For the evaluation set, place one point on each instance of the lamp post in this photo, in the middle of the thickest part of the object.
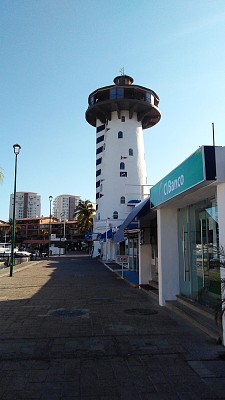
(50, 217)
(106, 238)
(16, 148)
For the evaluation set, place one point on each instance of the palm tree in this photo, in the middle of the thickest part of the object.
(83, 213)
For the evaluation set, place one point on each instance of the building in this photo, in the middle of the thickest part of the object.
(35, 233)
(64, 206)
(28, 205)
(181, 235)
(119, 113)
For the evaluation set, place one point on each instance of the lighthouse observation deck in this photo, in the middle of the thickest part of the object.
(123, 95)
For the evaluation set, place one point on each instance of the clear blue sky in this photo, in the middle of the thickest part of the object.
(54, 53)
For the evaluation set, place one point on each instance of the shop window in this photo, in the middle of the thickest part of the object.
(122, 200)
(115, 215)
(131, 152)
(122, 165)
(120, 135)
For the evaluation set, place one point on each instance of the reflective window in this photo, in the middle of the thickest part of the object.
(116, 93)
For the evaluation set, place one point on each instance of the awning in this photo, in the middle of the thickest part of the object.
(119, 235)
(109, 235)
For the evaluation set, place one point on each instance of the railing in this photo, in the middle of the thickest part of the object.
(123, 260)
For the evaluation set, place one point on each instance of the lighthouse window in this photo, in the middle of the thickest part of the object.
(131, 152)
(99, 161)
(120, 135)
(115, 215)
(99, 150)
(116, 93)
(100, 139)
(148, 96)
(122, 165)
(122, 200)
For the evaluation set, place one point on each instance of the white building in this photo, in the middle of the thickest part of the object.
(64, 206)
(28, 205)
(120, 112)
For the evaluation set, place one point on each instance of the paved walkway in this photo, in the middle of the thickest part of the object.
(71, 329)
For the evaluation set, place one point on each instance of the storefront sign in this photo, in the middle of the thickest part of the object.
(200, 166)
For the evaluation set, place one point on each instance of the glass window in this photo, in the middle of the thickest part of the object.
(98, 172)
(120, 135)
(100, 139)
(122, 200)
(123, 118)
(131, 152)
(115, 215)
(99, 150)
(116, 93)
(122, 165)
(98, 161)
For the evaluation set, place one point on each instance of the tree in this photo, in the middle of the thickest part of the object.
(84, 213)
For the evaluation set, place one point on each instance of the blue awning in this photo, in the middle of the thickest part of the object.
(119, 235)
(109, 235)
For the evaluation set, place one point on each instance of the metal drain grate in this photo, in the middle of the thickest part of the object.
(101, 301)
(61, 312)
(140, 311)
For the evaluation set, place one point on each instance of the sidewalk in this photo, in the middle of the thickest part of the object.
(72, 329)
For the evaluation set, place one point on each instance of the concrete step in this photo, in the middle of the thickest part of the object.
(198, 315)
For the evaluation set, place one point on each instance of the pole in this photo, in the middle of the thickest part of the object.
(213, 134)
(13, 222)
(64, 232)
(49, 233)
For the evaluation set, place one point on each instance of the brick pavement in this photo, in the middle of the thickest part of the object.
(71, 329)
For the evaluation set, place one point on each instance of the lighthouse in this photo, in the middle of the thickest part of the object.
(119, 113)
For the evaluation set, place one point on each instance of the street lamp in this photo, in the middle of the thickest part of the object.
(50, 217)
(16, 148)
(106, 238)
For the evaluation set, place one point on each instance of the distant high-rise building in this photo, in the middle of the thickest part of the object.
(64, 206)
(28, 205)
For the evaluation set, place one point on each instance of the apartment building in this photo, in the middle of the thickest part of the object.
(64, 206)
(28, 205)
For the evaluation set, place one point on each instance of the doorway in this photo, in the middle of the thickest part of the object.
(199, 252)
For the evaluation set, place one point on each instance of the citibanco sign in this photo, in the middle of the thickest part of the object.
(188, 174)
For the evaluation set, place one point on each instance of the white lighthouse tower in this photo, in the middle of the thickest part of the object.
(120, 112)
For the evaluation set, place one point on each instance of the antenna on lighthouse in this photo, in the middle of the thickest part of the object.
(122, 71)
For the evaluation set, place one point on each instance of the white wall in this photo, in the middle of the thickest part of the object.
(168, 257)
(145, 259)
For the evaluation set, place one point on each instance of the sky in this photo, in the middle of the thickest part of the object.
(54, 53)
